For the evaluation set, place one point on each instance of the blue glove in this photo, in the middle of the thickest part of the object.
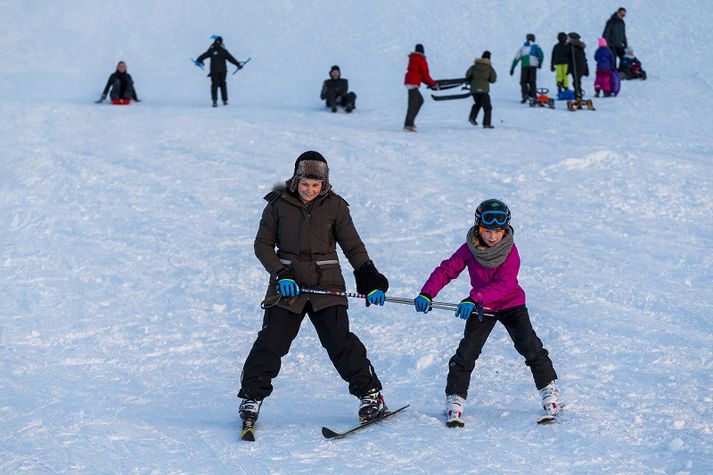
(198, 63)
(465, 308)
(375, 297)
(422, 303)
(288, 287)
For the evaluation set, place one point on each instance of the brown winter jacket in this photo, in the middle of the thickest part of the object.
(299, 240)
(481, 75)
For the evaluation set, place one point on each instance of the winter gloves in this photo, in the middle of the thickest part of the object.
(375, 297)
(465, 308)
(422, 303)
(286, 285)
(512, 71)
(368, 280)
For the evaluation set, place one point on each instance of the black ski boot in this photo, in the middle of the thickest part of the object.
(215, 103)
(372, 406)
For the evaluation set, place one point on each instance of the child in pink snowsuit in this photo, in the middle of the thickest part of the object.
(605, 63)
(493, 263)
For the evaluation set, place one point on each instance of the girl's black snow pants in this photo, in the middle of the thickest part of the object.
(516, 321)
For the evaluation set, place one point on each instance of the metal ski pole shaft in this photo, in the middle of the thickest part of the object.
(338, 293)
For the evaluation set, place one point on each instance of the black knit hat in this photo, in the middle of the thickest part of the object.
(334, 68)
(530, 37)
(486, 54)
(311, 165)
(419, 49)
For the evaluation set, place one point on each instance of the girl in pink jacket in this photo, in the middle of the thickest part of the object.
(493, 263)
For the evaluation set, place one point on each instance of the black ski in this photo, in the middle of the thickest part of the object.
(330, 434)
(248, 432)
(451, 97)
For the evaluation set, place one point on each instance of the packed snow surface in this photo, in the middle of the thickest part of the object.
(130, 294)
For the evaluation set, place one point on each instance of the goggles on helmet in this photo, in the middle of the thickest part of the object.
(494, 218)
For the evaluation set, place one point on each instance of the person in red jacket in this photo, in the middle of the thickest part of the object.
(416, 73)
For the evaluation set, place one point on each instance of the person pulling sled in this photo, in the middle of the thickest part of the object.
(480, 76)
(416, 73)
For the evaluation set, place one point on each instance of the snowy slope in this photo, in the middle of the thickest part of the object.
(129, 292)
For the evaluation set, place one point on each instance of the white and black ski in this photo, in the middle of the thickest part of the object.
(330, 434)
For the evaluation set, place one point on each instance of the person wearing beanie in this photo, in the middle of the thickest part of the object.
(218, 68)
(121, 85)
(615, 33)
(335, 91)
(532, 57)
(302, 223)
(559, 63)
(605, 63)
(416, 73)
(480, 76)
(578, 66)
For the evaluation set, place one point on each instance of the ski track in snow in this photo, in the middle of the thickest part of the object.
(129, 292)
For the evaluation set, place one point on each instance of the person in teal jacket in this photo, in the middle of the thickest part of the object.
(532, 58)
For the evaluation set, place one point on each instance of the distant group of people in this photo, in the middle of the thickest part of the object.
(568, 58)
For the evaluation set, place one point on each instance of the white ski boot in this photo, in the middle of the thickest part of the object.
(454, 410)
(550, 398)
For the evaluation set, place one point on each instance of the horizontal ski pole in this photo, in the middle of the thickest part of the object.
(435, 304)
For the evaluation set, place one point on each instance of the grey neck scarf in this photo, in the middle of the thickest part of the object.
(490, 256)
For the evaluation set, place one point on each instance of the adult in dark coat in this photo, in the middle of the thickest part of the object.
(578, 66)
(335, 91)
(296, 242)
(218, 69)
(121, 85)
(615, 33)
(480, 76)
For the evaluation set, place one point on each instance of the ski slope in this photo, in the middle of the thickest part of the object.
(130, 295)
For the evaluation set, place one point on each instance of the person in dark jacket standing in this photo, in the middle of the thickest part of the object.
(121, 85)
(480, 76)
(335, 91)
(416, 73)
(615, 33)
(578, 66)
(559, 64)
(218, 69)
(532, 57)
(296, 242)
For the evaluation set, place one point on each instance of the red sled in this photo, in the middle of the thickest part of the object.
(121, 102)
(543, 100)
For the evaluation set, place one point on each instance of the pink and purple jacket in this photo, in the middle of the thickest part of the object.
(496, 287)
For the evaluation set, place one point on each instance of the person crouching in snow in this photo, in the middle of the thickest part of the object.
(493, 263)
(416, 73)
(121, 85)
(335, 91)
(605, 63)
(480, 76)
(296, 242)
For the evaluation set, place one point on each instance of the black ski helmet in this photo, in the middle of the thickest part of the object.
(492, 214)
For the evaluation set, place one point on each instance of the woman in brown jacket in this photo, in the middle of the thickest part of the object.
(296, 243)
